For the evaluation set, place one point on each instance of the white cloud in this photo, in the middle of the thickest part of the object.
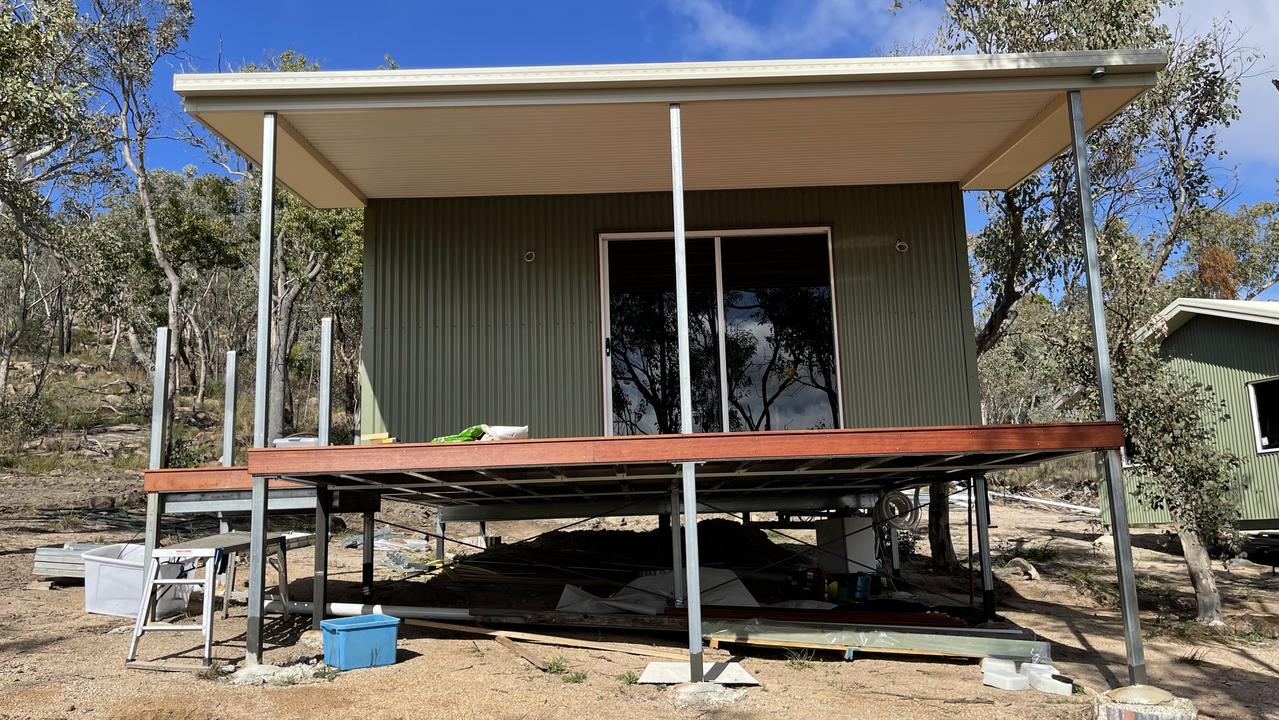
(804, 27)
(1252, 139)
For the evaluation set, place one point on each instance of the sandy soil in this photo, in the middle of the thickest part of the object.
(57, 662)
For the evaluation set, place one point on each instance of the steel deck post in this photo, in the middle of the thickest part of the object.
(689, 471)
(228, 411)
(326, 380)
(1112, 468)
(320, 582)
(982, 503)
(258, 502)
(677, 550)
(440, 528)
(266, 236)
(159, 438)
(366, 568)
(257, 570)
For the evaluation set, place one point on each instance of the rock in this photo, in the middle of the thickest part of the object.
(313, 639)
(1020, 567)
(40, 585)
(705, 695)
(1104, 544)
(1264, 624)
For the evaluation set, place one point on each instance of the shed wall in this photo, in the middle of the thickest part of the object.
(1228, 354)
(460, 329)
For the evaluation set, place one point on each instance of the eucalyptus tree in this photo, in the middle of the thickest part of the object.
(52, 142)
(1159, 183)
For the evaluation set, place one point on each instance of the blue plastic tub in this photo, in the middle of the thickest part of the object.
(360, 641)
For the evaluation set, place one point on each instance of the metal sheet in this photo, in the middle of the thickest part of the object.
(462, 326)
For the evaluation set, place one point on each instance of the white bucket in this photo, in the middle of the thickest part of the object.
(113, 580)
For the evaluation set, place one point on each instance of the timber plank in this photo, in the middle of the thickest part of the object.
(205, 478)
(695, 447)
(549, 639)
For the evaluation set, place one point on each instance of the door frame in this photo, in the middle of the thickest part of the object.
(606, 372)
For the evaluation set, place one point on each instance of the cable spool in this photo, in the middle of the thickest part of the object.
(897, 511)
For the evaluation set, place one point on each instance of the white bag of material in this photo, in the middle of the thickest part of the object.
(505, 432)
(650, 594)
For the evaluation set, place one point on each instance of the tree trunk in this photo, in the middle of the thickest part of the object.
(115, 339)
(941, 548)
(1201, 577)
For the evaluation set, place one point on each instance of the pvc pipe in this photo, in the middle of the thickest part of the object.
(1049, 503)
(342, 609)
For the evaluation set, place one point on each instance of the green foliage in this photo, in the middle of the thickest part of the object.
(628, 678)
(799, 659)
(574, 678)
(1034, 552)
(24, 420)
(557, 666)
(189, 451)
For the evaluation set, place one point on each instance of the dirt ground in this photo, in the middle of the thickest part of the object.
(58, 662)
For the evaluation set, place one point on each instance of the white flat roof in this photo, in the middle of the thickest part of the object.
(983, 121)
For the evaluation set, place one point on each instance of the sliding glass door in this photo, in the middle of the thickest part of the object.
(761, 332)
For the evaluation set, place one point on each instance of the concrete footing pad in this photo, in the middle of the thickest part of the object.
(705, 696)
(1142, 702)
(675, 673)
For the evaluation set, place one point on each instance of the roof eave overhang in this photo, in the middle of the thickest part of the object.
(1127, 74)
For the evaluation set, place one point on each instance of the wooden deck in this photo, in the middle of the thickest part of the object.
(606, 469)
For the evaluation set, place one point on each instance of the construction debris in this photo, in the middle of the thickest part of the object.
(62, 561)
(295, 674)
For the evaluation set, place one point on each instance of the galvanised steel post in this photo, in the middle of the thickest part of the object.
(688, 470)
(159, 438)
(257, 570)
(326, 379)
(320, 582)
(1113, 469)
(258, 503)
(266, 237)
(982, 502)
(228, 412)
(677, 549)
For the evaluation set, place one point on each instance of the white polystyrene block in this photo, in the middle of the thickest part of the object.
(1046, 684)
(1029, 668)
(1005, 681)
(1000, 664)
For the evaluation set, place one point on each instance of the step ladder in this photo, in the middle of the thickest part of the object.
(212, 554)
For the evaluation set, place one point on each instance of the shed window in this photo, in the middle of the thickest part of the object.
(1265, 413)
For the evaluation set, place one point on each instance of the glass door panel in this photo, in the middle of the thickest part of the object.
(780, 340)
(641, 348)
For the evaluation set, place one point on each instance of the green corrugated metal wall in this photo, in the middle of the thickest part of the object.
(1228, 354)
(459, 329)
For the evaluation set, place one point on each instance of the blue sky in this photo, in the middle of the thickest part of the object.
(433, 33)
